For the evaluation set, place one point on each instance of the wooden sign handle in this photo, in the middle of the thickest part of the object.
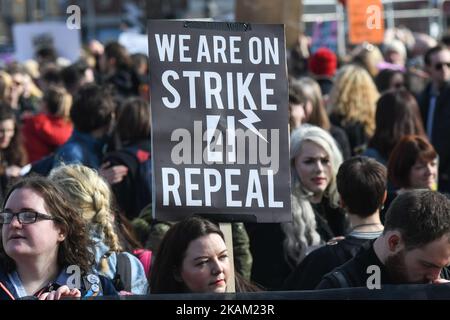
(226, 230)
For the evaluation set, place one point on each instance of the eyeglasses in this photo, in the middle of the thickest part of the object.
(24, 217)
(439, 66)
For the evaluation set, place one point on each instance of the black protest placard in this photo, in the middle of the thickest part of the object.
(219, 98)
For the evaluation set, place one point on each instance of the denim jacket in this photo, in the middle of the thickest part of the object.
(12, 285)
(139, 283)
(81, 148)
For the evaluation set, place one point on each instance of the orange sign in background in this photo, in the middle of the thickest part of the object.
(365, 21)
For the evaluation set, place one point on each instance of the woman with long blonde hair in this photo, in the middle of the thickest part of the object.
(352, 105)
(92, 195)
(315, 159)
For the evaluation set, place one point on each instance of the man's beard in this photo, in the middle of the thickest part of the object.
(396, 267)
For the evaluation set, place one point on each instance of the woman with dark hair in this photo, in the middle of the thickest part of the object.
(42, 236)
(413, 164)
(117, 67)
(389, 79)
(12, 152)
(397, 115)
(193, 258)
(133, 192)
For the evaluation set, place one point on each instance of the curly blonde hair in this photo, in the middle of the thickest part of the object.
(354, 97)
(92, 195)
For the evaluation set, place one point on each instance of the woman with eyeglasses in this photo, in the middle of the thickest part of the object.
(44, 250)
(12, 151)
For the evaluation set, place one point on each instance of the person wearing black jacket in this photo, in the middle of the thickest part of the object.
(435, 109)
(133, 192)
(414, 247)
(361, 183)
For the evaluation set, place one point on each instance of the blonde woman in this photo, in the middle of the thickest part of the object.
(367, 56)
(352, 105)
(92, 195)
(315, 159)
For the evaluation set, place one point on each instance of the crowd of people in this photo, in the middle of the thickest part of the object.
(370, 174)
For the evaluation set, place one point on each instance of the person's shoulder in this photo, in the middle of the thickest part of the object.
(337, 131)
(330, 255)
(3, 275)
(131, 257)
(122, 157)
(349, 273)
(71, 148)
(108, 286)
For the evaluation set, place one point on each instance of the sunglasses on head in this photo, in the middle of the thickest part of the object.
(440, 65)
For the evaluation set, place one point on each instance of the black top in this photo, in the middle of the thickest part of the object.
(318, 263)
(269, 268)
(355, 270)
(342, 140)
(128, 191)
(331, 222)
(441, 130)
(355, 132)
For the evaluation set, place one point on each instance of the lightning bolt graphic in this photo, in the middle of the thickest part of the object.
(249, 120)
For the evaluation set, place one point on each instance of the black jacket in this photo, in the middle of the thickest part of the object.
(270, 268)
(318, 263)
(441, 130)
(128, 190)
(356, 272)
(356, 134)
